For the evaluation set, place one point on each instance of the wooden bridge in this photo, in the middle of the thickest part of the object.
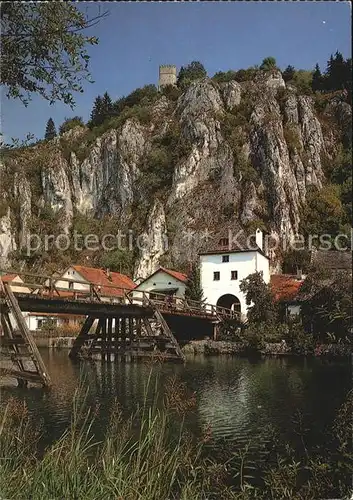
(118, 323)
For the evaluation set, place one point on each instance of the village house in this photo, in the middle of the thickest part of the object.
(285, 289)
(78, 281)
(224, 267)
(163, 281)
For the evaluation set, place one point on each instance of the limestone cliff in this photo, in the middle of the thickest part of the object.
(234, 154)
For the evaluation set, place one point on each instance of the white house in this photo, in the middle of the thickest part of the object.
(164, 281)
(109, 284)
(222, 270)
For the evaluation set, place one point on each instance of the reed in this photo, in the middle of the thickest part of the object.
(151, 456)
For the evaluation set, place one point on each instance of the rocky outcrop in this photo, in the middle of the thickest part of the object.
(253, 150)
(153, 243)
(7, 239)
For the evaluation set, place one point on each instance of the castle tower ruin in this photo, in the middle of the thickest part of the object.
(167, 75)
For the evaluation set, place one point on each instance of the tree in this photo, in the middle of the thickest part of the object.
(107, 106)
(268, 64)
(288, 73)
(323, 211)
(44, 49)
(50, 130)
(260, 299)
(103, 108)
(327, 302)
(193, 71)
(193, 290)
(70, 123)
(318, 80)
(96, 113)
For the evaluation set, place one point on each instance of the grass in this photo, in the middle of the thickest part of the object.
(149, 456)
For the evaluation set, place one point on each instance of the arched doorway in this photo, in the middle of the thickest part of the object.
(230, 302)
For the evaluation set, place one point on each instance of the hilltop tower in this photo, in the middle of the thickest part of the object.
(167, 75)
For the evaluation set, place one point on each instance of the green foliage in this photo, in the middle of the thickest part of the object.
(292, 138)
(171, 92)
(288, 73)
(328, 304)
(260, 299)
(193, 290)
(226, 76)
(118, 260)
(318, 80)
(141, 96)
(323, 212)
(102, 109)
(50, 130)
(193, 71)
(294, 260)
(303, 81)
(158, 165)
(44, 51)
(70, 123)
(269, 63)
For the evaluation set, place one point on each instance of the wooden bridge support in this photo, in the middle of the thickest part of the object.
(122, 337)
(18, 345)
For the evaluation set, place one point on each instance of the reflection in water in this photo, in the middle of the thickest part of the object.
(237, 397)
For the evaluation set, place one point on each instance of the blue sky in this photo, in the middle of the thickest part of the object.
(137, 37)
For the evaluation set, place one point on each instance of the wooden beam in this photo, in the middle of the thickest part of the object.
(81, 338)
(37, 358)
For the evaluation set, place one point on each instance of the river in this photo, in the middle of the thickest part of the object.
(236, 398)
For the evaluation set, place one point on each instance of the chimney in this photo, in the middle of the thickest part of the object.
(107, 272)
(259, 238)
(299, 274)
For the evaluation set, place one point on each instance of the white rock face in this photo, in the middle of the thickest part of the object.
(22, 192)
(153, 243)
(57, 191)
(250, 153)
(231, 93)
(7, 240)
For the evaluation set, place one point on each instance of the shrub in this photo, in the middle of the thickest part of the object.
(292, 138)
(70, 123)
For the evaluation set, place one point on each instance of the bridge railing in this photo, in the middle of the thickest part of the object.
(70, 288)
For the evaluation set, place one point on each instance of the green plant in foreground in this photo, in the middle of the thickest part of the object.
(151, 456)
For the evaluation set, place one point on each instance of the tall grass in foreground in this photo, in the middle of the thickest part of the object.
(150, 456)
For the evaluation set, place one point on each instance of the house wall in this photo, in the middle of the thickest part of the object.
(20, 289)
(244, 263)
(162, 280)
(74, 275)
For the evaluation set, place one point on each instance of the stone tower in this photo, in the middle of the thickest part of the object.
(167, 75)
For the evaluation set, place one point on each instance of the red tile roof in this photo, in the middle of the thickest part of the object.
(285, 287)
(100, 278)
(8, 277)
(176, 274)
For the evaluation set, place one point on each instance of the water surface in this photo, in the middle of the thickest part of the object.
(237, 398)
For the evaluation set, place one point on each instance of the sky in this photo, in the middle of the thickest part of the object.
(137, 37)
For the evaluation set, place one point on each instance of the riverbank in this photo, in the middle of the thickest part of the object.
(219, 347)
(149, 453)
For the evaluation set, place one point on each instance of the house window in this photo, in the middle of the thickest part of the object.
(234, 275)
(71, 285)
(225, 258)
(216, 276)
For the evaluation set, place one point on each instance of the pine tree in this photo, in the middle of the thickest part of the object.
(107, 106)
(96, 117)
(318, 81)
(288, 73)
(193, 290)
(102, 109)
(50, 130)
